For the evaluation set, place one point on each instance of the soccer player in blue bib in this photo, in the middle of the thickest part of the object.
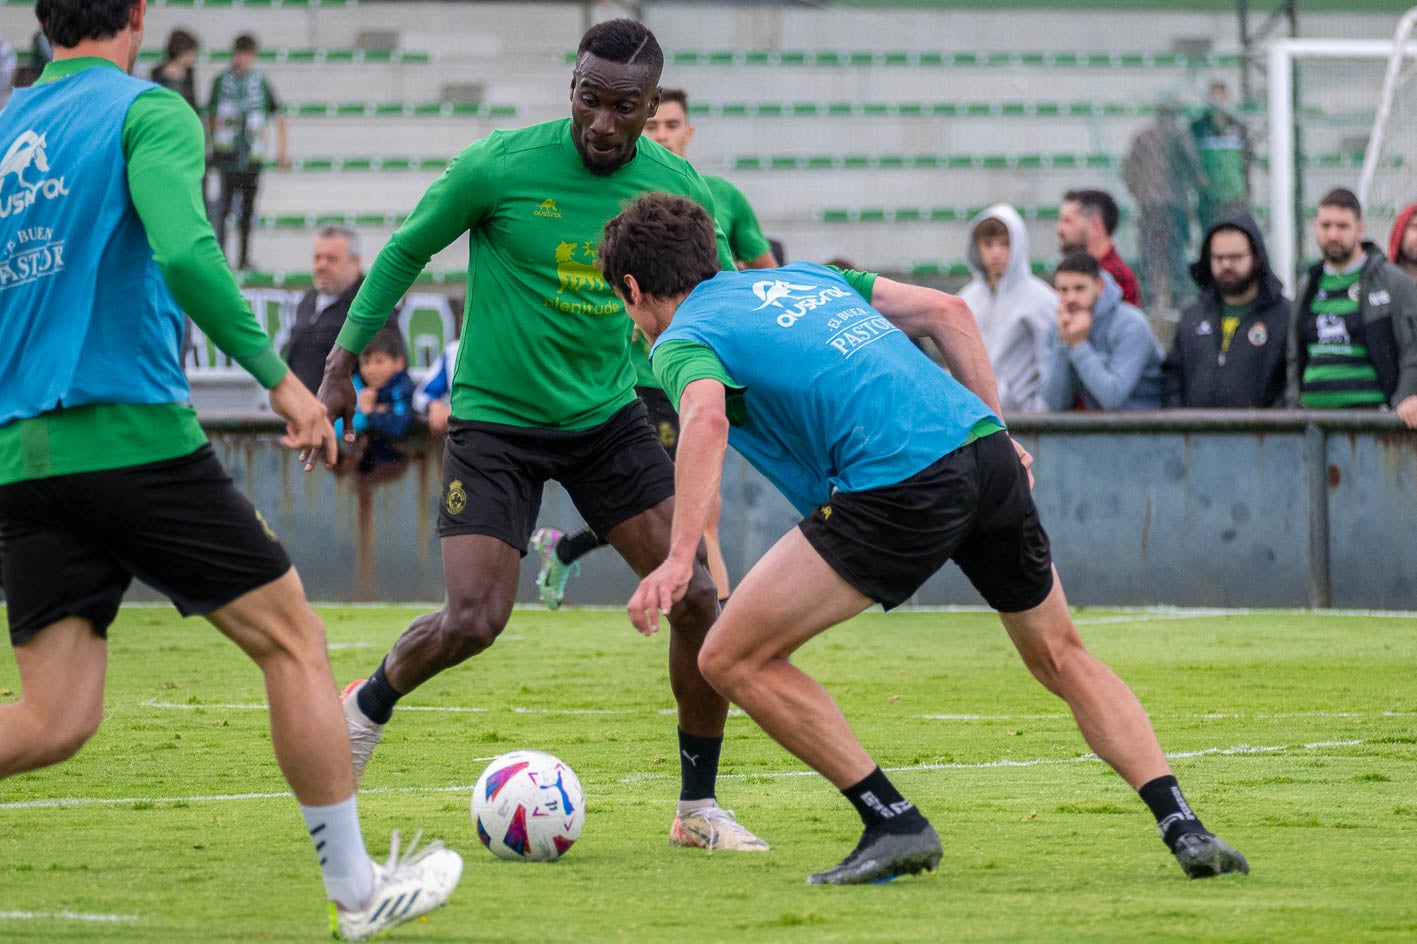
(897, 467)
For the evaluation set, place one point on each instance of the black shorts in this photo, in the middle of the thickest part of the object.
(70, 545)
(663, 418)
(493, 474)
(973, 507)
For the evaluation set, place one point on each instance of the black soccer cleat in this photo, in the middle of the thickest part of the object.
(1203, 856)
(881, 856)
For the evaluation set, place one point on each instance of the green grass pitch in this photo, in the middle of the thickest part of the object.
(1292, 733)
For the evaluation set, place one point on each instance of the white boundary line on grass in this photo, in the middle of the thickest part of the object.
(64, 916)
(1201, 716)
(444, 709)
(1240, 749)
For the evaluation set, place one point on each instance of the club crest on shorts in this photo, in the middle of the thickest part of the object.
(456, 499)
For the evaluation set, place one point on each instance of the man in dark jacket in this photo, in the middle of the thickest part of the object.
(1230, 342)
(337, 275)
(1353, 335)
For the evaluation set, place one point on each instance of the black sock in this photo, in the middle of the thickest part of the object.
(377, 698)
(881, 806)
(698, 765)
(1173, 814)
(574, 546)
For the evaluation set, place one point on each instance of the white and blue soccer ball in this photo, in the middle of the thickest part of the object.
(528, 805)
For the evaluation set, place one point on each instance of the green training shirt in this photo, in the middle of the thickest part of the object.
(164, 147)
(545, 342)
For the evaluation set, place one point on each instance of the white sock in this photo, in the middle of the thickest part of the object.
(688, 806)
(344, 862)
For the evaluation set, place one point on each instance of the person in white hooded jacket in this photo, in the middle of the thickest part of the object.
(1015, 309)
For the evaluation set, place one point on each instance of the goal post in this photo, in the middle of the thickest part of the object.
(1327, 88)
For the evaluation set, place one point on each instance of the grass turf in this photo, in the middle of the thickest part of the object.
(1291, 733)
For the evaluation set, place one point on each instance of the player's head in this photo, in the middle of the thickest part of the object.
(991, 242)
(614, 90)
(67, 23)
(669, 125)
(1085, 218)
(382, 357)
(336, 263)
(1078, 282)
(243, 52)
(658, 249)
(1234, 266)
(1405, 242)
(1338, 226)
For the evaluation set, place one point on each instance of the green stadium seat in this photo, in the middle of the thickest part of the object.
(308, 56)
(897, 59)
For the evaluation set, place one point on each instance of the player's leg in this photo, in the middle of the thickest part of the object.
(248, 185)
(62, 669)
(622, 481)
(718, 567)
(1008, 559)
(226, 196)
(492, 481)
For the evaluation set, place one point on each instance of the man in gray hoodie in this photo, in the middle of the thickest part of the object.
(1103, 354)
(1015, 309)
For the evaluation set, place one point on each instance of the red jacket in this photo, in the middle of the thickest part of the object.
(1399, 226)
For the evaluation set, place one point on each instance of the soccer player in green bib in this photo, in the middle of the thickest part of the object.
(543, 389)
(559, 552)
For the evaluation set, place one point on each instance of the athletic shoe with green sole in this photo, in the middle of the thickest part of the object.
(551, 578)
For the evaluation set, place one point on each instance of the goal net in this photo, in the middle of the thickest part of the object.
(1343, 113)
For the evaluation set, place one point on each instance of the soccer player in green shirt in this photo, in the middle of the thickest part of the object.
(669, 126)
(105, 474)
(543, 389)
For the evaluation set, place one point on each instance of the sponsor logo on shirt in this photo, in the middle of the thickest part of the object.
(1332, 329)
(33, 254)
(26, 156)
(579, 280)
(779, 294)
(547, 208)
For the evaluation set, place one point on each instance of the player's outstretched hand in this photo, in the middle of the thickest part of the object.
(657, 593)
(337, 389)
(1026, 459)
(307, 426)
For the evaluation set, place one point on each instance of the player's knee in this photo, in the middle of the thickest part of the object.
(65, 738)
(722, 666)
(467, 630)
(695, 613)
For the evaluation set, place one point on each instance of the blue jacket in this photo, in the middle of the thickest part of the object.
(1118, 367)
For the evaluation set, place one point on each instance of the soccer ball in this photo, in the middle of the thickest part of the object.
(528, 805)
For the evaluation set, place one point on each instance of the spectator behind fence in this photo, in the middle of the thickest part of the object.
(1086, 222)
(177, 70)
(1402, 244)
(1223, 144)
(1353, 336)
(1162, 171)
(239, 114)
(1015, 309)
(1230, 344)
(337, 275)
(1103, 355)
(385, 399)
(433, 400)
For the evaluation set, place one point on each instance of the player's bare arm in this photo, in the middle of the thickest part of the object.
(703, 440)
(928, 313)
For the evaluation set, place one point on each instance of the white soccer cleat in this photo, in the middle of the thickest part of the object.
(712, 827)
(404, 889)
(364, 734)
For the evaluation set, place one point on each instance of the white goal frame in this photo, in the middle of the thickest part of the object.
(1283, 53)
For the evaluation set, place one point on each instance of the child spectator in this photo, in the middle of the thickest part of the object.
(385, 407)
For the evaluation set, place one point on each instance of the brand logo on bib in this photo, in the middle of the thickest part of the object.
(25, 153)
(779, 294)
(547, 208)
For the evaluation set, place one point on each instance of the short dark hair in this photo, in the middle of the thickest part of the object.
(244, 43)
(388, 341)
(665, 241)
(69, 22)
(675, 95)
(179, 42)
(626, 41)
(1344, 199)
(1079, 262)
(1098, 203)
(991, 227)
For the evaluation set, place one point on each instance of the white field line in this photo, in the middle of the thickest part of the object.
(64, 916)
(736, 712)
(1240, 749)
